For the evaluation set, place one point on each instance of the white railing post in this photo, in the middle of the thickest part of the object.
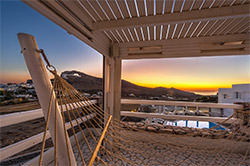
(43, 89)
(197, 110)
(186, 109)
(175, 109)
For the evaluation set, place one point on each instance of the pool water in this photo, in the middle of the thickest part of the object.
(193, 124)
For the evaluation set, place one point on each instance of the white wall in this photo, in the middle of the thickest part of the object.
(224, 92)
(238, 93)
(229, 95)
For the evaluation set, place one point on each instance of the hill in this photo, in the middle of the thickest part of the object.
(91, 84)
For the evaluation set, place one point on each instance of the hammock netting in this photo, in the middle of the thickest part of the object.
(101, 140)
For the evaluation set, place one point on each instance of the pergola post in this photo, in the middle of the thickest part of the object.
(112, 81)
(43, 89)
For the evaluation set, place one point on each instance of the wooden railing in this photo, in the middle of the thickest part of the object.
(166, 116)
(182, 103)
(15, 118)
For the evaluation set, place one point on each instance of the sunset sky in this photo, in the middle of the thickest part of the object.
(201, 75)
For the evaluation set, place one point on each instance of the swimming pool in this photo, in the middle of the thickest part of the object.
(192, 124)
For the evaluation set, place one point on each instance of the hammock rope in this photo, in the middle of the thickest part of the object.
(101, 140)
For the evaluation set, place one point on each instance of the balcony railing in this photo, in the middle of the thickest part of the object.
(186, 105)
(15, 118)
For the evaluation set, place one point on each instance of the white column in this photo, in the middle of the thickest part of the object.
(43, 89)
(107, 84)
(186, 109)
(112, 89)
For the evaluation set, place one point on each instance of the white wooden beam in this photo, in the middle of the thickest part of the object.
(176, 18)
(96, 40)
(206, 39)
(182, 103)
(187, 47)
(44, 89)
(20, 146)
(112, 89)
(116, 83)
(68, 17)
(19, 117)
(107, 84)
(176, 117)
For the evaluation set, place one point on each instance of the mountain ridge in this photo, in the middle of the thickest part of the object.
(88, 83)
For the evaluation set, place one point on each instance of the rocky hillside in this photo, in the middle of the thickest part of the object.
(87, 83)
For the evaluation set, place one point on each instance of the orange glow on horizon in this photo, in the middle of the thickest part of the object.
(205, 89)
(189, 87)
(199, 75)
(197, 87)
(14, 77)
(21, 77)
(200, 85)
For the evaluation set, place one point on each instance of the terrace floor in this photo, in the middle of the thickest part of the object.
(158, 149)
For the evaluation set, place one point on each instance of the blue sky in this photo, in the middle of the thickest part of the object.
(68, 53)
(63, 50)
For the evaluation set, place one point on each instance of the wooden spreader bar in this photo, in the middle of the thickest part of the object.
(93, 157)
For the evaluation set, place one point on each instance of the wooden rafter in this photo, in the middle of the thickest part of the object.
(195, 47)
(222, 38)
(100, 24)
(175, 18)
(69, 22)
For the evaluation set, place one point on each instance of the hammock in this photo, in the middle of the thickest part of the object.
(101, 140)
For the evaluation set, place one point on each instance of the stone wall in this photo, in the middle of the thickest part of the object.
(193, 132)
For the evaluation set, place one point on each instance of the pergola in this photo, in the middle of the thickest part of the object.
(137, 29)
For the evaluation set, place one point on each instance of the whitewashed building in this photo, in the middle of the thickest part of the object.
(238, 93)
